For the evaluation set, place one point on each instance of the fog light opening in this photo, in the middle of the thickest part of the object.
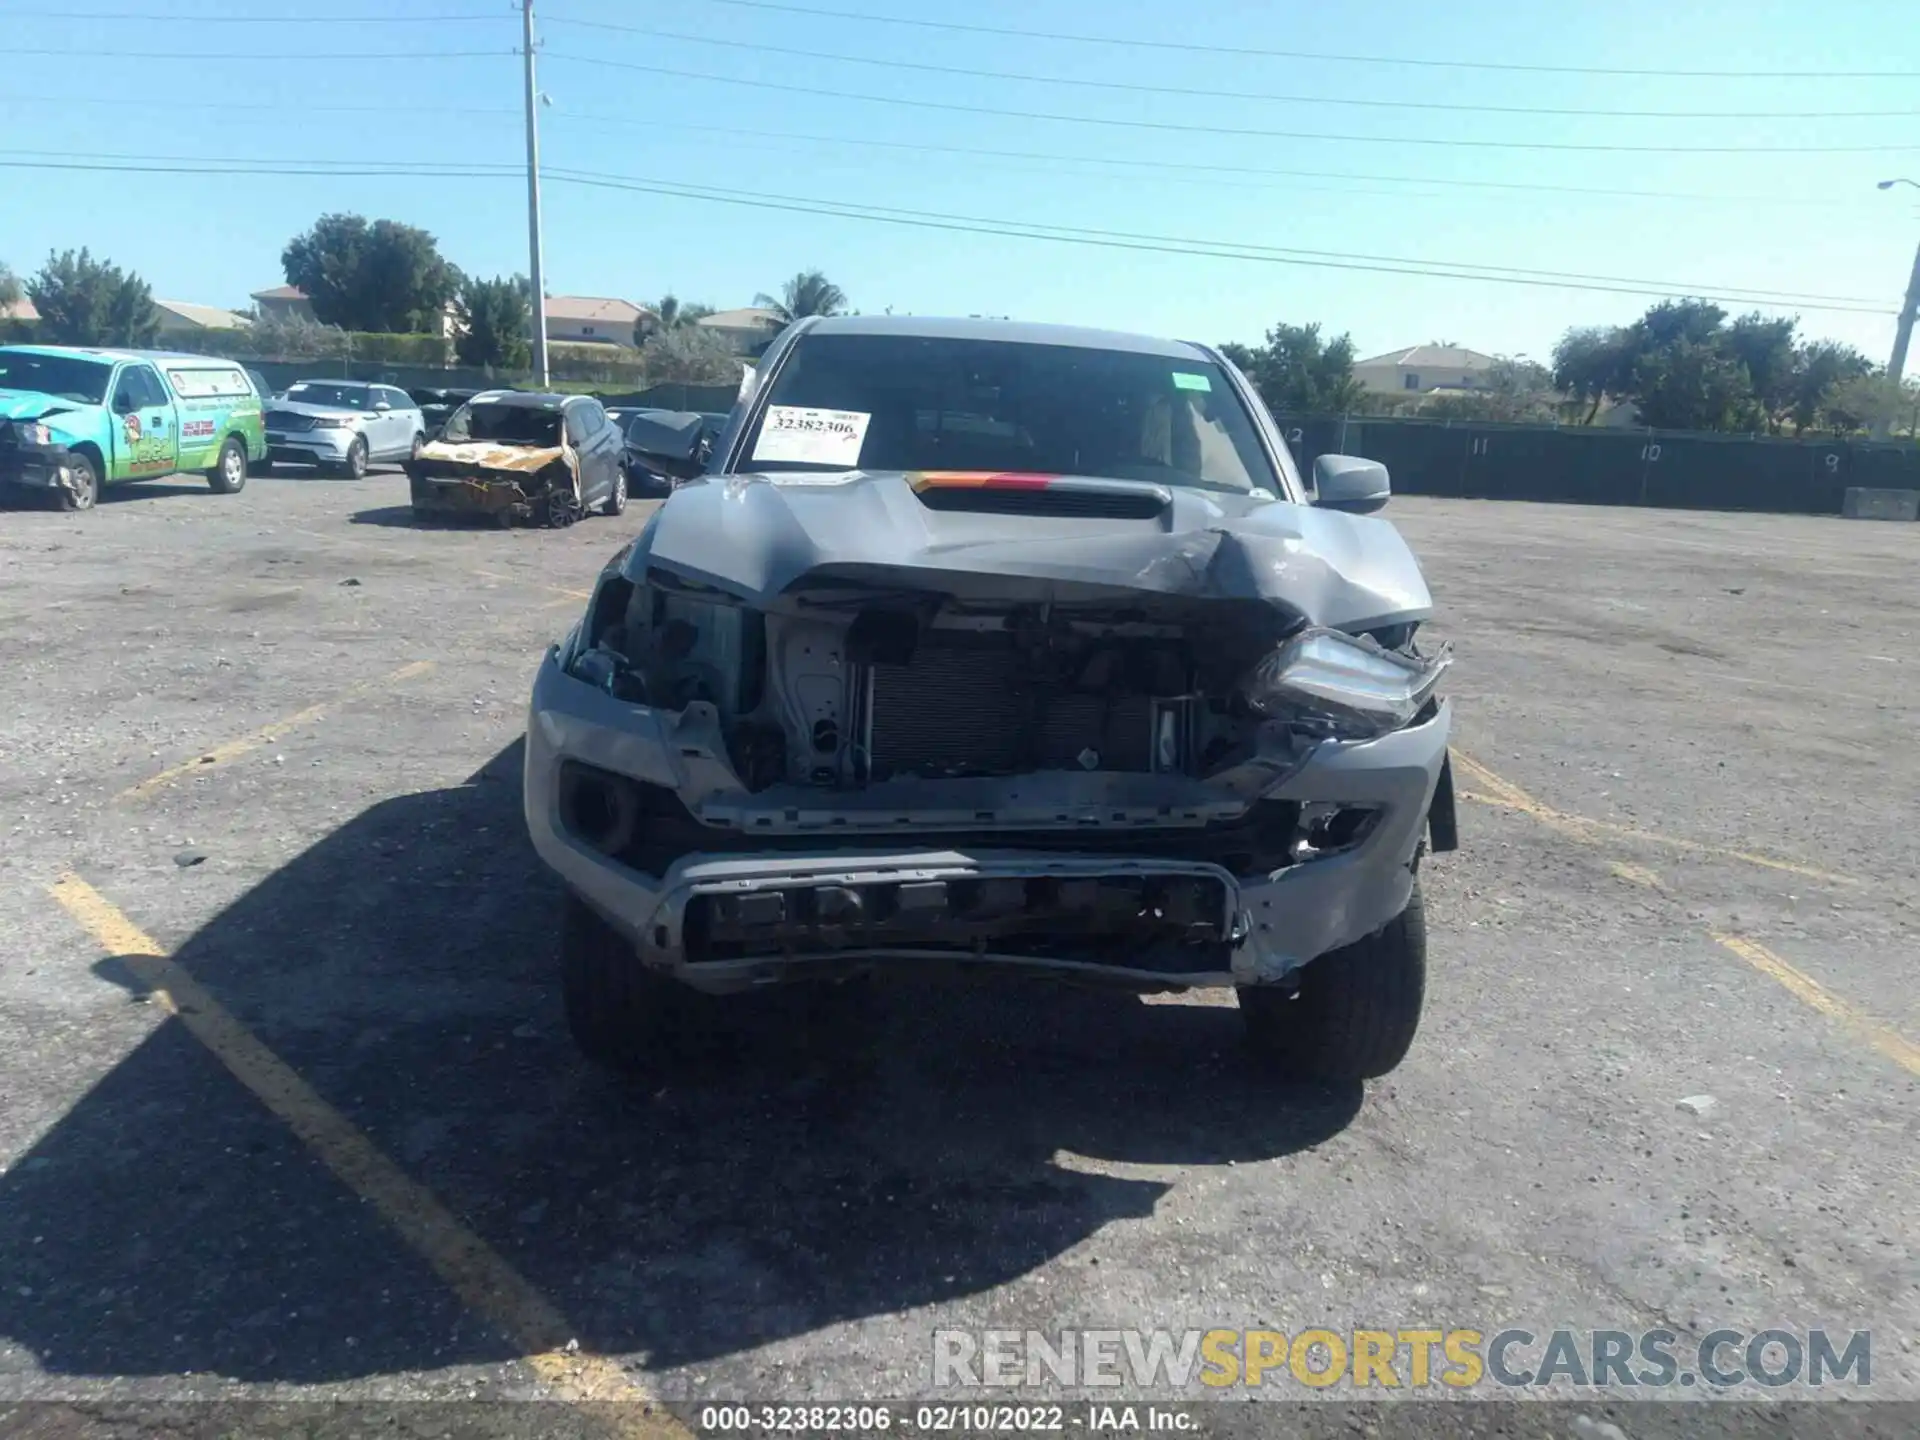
(600, 808)
(1327, 829)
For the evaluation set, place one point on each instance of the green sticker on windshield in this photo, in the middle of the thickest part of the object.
(1183, 380)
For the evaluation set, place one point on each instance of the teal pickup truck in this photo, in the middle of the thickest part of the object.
(74, 419)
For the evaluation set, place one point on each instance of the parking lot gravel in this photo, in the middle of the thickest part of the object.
(278, 733)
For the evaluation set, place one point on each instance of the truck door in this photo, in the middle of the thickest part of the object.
(145, 434)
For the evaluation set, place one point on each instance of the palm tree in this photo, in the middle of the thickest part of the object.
(669, 314)
(808, 293)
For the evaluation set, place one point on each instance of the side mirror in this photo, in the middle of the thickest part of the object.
(674, 443)
(123, 403)
(381, 407)
(1346, 482)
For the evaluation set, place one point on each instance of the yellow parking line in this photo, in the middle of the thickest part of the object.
(477, 1273)
(536, 584)
(1504, 793)
(1889, 1042)
(233, 749)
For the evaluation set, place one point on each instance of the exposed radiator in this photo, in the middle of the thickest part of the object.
(976, 710)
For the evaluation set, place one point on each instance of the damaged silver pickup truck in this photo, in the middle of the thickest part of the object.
(1001, 644)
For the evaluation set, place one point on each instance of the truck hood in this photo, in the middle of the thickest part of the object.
(1030, 538)
(33, 405)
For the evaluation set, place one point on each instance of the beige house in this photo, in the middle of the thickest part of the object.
(19, 315)
(592, 319)
(180, 317)
(282, 302)
(1422, 369)
(746, 330)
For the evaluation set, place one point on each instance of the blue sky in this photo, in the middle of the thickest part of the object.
(1809, 223)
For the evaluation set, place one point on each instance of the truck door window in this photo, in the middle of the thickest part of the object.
(139, 389)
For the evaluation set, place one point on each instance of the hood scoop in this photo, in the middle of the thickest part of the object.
(1004, 493)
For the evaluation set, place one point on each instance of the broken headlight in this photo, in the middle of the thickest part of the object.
(1345, 687)
(32, 432)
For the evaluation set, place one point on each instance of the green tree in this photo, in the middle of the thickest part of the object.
(669, 313)
(1297, 373)
(1766, 347)
(1826, 367)
(808, 293)
(495, 319)
(1591, 363)
(83, 301)
(10, 291)
(1865, 401)
(293, 337)
(689, 355)
(1689, 384)
(381, 276)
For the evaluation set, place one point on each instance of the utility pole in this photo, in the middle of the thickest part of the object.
(539, 306)
(1903, 332)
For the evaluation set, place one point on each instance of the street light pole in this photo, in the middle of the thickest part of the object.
(539, 304)
(1903, 332)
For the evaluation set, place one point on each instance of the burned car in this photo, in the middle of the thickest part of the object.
(998, 644)
(517, 455)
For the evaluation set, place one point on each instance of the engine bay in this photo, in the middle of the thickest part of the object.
(850, 687)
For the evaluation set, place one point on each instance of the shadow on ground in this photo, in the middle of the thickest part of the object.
(405, 966)
(130, 490)
(401, 517)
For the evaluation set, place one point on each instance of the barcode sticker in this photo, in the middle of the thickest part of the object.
(802, 435)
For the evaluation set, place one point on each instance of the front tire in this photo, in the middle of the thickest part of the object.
(621, 1014)
(229, 473)
(356, 464)
(83, 487)
(1357, 1008)
(419, 444)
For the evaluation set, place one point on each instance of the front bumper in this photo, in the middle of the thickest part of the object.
(473, 495)
(1275, 922)
(310, 447)
(39, 468)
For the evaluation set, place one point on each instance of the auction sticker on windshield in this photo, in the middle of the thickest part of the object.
(802, 435)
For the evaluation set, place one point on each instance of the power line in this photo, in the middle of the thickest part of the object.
(277, 109)
(1216, 93)
(1007, 229)
(82, 159)
(409, 55)
(961, 27)
(1181, 168)
(225, 19)
(1121, 240)
(1470, 269)
(1175, 127)
(308, 165)
(1193, 170)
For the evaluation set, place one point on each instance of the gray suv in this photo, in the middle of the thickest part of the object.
(343, 425)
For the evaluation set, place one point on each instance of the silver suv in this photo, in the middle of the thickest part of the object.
(343, 426)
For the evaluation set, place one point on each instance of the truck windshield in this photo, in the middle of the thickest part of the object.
(925, 403)
(69, 377)
(504, 424)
